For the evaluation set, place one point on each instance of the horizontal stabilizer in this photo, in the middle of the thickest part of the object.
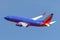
(52, 22)
(47, 25)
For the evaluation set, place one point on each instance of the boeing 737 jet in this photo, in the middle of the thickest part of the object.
(26, 22)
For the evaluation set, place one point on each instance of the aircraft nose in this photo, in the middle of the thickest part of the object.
(6, 18)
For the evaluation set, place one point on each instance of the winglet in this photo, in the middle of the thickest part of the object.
(44, 13)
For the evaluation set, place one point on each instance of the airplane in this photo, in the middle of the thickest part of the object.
(26, 22)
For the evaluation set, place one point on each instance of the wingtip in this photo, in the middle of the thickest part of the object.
(44, 13)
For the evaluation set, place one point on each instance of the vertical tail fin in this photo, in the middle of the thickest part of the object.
(48, 19)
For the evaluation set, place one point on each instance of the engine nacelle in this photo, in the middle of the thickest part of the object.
(22, 24)
(18, 25)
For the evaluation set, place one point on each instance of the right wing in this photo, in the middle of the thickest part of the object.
(36, 18)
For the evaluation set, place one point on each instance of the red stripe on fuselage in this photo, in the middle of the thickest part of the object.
(13, 20)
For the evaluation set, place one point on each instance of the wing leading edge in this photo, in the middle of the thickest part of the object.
(36, 18)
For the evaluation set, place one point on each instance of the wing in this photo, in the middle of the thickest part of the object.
(36, 18)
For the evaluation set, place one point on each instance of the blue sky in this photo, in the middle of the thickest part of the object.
(29, 8)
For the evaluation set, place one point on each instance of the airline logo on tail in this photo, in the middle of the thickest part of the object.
(47, 21)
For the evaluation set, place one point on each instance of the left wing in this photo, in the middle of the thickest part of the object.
(36, 18)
